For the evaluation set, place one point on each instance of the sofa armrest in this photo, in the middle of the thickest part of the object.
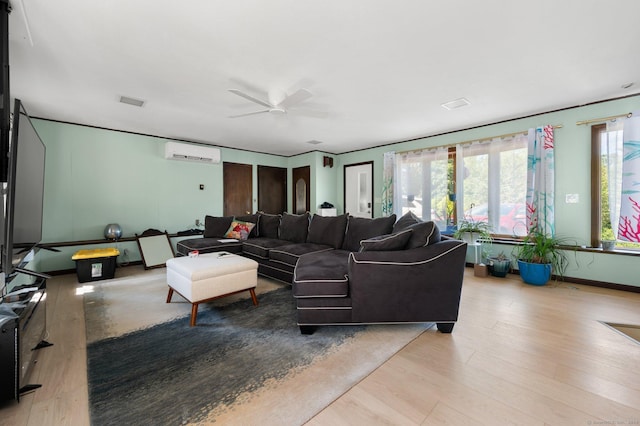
(416, 285)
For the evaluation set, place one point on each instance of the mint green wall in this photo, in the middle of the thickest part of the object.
(96, 176)
(573, 176)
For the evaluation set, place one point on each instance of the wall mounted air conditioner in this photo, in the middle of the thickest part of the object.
(188, 152)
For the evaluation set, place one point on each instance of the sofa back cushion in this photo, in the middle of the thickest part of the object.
(216, 227)
(424, 233)
(408, 219)
(268, 225)
(360, 228)
(251, 218)
(294, 227)
(389, 242)
(327, 230)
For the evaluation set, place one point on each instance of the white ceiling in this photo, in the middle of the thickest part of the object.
(378, 70)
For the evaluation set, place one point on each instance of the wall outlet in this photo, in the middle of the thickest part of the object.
(197, 222)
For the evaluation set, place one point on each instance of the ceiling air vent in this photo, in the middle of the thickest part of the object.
(131, 101)
(456, 103)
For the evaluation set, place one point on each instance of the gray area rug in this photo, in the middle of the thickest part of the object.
(241, 364)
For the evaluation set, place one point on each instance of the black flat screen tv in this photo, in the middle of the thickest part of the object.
(23, 192)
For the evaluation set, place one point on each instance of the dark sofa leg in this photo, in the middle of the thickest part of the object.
(307, 329)
(445, 327)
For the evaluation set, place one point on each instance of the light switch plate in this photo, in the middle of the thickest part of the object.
(572, 198)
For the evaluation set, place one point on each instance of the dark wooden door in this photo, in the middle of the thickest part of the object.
(272, 189)
(237, 188)
(301, 189)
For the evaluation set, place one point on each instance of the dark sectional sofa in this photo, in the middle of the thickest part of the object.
(348, 270)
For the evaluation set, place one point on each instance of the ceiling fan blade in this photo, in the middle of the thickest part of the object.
(295, 98)
(250, 113)
(251, 98)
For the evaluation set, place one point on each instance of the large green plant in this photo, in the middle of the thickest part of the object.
(539, 247)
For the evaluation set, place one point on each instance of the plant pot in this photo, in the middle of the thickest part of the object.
(450, 230)
(608, 245)
(534, 273)
(499, 267)
(469, 237)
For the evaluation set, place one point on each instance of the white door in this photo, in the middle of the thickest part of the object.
(358, 189)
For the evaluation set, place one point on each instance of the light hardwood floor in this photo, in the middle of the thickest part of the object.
(519, 354)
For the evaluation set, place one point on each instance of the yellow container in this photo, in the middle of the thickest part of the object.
(95, 264)
(93, 253)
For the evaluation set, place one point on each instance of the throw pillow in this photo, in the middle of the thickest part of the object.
(216, 227)
(252, 218)
(294, 227)
(405, 221)
(268, 225)
(327, 230)
(424, 233)
(239, 230)
(387, 242)
(360, 228)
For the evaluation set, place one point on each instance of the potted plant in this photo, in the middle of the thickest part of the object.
(608, 240)
(540, 255)
(471, 231)
(499, 265)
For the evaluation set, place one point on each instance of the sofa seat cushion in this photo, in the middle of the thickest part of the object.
(322, 274)
(259, 247)
(290, 254)
(207, 245)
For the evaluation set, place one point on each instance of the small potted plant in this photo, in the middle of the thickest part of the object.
(499, 265)
(539, 255)
(608, 240)
(471, 231)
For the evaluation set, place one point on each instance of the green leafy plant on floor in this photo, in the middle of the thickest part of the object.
(539, 247)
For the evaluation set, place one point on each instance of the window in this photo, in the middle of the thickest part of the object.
(480, 181)
(494, 183)
(606, 185)
(423, 186)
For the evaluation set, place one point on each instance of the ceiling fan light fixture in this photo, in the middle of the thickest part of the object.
(456, 103)
(131, 101)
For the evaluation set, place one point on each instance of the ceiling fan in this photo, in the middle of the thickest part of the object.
(277, 103)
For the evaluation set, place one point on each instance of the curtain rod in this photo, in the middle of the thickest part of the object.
(506, 135)
(603, 119)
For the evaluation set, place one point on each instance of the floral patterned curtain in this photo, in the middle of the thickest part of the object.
(629, 223)
(612, 142)
(387, 183)
(540, 180)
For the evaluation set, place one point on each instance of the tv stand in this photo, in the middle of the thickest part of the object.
(22, 330)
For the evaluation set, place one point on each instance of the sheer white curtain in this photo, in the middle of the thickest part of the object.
(421, 185)
(491, 180)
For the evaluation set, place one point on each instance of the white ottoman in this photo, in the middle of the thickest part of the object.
(210, 276)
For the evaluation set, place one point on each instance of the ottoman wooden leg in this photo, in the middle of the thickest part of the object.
(194, 314)
(169, 295)
(253, 296)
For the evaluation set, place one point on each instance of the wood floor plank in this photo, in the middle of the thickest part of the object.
(519, 354)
